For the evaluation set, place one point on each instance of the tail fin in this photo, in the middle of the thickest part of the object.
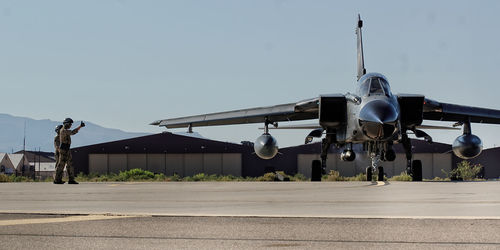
(361, 57)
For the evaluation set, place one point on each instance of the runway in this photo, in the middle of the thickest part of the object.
(262, 199)
(228, 215)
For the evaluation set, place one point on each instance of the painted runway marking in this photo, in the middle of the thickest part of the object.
(58, 220)
(379, 183)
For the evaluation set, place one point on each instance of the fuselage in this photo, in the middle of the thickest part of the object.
(373, 111)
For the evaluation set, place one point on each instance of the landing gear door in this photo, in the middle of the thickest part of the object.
(332, 111)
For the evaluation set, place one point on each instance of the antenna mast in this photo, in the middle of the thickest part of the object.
(24, 139)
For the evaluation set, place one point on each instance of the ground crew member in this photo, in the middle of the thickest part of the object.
(65, 153)
(57, 142)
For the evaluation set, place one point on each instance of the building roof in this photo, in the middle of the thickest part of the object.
(16, 159)
(5, 160)
(38, 156)
(164, 143)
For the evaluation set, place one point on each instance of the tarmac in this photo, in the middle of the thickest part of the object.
(249, 215)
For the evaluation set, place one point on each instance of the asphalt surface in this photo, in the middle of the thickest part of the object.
(304, 199)
(352, 215)
(253, 233)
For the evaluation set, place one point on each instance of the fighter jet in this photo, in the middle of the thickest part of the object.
(372, 116)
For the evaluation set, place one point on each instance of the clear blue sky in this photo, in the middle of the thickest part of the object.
(123, 64)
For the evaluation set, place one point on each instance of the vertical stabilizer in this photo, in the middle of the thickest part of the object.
(361, 57)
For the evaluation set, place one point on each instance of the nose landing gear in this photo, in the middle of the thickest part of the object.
(378, 151)
(375, 167)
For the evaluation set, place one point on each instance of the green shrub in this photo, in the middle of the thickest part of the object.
(4, 178)
(267, 177)
(228, 178)
(401, 177)
(48, 179)
(81, 177)
(175, 177)
(333, 176)
(201, 177)
(14, 178)
(248, 178)
(299, 177)
(466, 171)
(135, 174)
(283, 175)
(160, 177)
(437, 178)
(359, 177)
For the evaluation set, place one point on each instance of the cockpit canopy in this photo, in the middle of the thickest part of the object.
(374, 85)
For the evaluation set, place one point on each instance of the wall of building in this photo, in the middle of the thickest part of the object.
(168, 164)
(490, 160)
(162, 153)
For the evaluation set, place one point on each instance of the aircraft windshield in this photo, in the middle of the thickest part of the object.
(375, 86)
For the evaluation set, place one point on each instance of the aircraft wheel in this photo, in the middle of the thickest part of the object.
(382, 156)
(316, 170)
(416, 169)
(369, 173)
(380, 173)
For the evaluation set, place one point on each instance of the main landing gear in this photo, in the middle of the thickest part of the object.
(378, 151)
(319, 167)
(413, 168)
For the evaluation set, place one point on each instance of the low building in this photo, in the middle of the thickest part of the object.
(186, 156)
(6, 166)
(43, 163)
(162, 153)
(21, 165)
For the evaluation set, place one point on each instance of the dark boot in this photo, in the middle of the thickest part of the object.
(58, 182)
(72, 182)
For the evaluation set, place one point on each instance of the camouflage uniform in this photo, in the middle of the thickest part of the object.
(57, 142)
(65, 158)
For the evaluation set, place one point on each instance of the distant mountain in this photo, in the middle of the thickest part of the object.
(40, 133)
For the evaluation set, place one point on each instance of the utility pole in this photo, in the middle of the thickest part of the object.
(39, 162)
(24, 138)
(24, 148)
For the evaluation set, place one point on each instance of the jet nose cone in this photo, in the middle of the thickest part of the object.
(378, 119)
(379, 111)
